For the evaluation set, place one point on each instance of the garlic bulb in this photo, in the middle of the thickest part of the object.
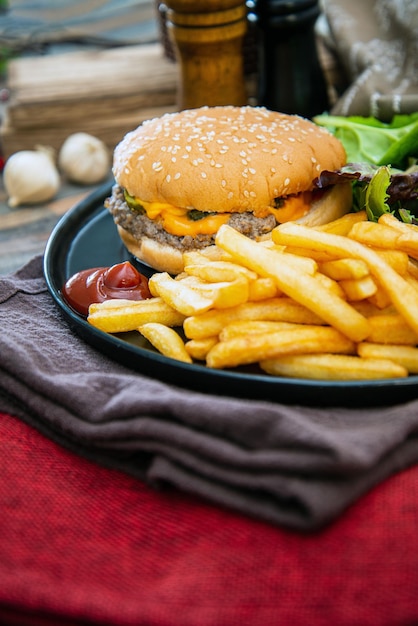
(84, 159)
(31, 177)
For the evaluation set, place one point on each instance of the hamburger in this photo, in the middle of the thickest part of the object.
(179, 177)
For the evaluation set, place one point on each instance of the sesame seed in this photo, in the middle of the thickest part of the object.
(223, 182)
(203, 174)
(230, 195)
(177, 176)
(168, 178)
(287, 182)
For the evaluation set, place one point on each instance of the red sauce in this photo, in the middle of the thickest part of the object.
(120, 281)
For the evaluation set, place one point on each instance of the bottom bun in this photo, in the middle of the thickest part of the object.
(335, 203)
(164, 258)
(158, 256)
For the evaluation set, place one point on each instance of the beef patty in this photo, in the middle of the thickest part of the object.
(139, 225)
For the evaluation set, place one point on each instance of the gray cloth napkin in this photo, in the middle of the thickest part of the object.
(290, 465)
(376, 43)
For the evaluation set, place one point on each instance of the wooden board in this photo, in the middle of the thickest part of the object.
(106, 93)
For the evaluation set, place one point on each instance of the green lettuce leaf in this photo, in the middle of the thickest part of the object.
(376, 194)
(368, 139)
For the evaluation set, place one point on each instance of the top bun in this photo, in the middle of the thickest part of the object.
(225, 159)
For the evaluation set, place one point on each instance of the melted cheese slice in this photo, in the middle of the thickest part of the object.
(294, 208)
(176, 221)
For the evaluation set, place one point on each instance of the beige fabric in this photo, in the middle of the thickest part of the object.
(376, 42)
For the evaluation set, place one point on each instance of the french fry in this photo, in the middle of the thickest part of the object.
(375, 235)
(406, 356)
(282, 309)
(302, 263)
(342, 225)
(320, 256)
(402, 295)
(113, 303)
(359, 289)
(186, 300)
(262, 289)
(300, 286)
(380, 235)
(210, 253)
(165, 340)
(112, 317)
(199, 348)
(222, 295)
(333, 367)
(397, 259)
(409, 232)
(391, 329)
(252, 327)
(368, 309)
(219, 271)
(242, 350)
(412, 268)
(299, 258)
(345, 269)
(330, 284)
(412, 280)
(380, 298)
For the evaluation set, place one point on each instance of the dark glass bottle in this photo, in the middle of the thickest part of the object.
(290, 77)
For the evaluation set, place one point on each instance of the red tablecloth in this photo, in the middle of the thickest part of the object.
(80, 544)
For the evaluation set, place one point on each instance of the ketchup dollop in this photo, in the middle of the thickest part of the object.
(120, 281)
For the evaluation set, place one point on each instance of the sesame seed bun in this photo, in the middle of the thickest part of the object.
(224, 159)
(233, 163)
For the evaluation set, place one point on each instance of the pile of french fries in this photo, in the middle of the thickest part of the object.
(335, 302)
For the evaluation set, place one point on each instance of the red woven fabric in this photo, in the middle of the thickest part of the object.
(80, 544)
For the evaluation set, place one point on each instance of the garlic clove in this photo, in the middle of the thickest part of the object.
(30, 177)
(84, 159)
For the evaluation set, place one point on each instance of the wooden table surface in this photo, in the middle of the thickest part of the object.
(24, 231)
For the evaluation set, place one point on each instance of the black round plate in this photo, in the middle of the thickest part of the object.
(86, 237)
